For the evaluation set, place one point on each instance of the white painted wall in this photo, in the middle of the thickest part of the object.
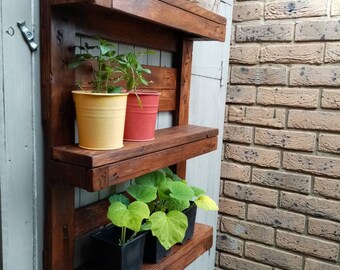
(207, 108)
(20, 140)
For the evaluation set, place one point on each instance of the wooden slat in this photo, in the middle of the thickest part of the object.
(163, 80)
(162, 38)
(90, 217)
(203, 24)
(102, 177)
(181, 255)
(164, 139)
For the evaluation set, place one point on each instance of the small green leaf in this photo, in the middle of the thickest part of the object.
(75, 64)
(197, 191)
(143, 193)
(105, 48)
(206, 203)
(146, 226)
(173, 204)
(130, 216)
(151, 179)
(119, 198)
(180, 191)
(167, 172)
(169, 228)
(114, 89)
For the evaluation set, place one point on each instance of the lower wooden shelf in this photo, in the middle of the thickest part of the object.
(182, 255)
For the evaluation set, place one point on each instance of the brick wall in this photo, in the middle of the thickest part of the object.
(280, 185)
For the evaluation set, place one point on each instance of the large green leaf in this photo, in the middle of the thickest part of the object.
(143, 193)
(151, 179)
(128, 216)
(197, 191)
(169, 228)
(173, 204)
(180, 191)
(206, 203)
(119, 198)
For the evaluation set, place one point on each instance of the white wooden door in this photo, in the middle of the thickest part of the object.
(20, 140)
(207, 108)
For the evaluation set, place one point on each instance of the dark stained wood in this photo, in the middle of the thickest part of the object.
(203, 25)
(197, 10)
(90, 217)
(163, 79)
(181, 255)
(184, 94)
(164, 139)
(112, 174)
(126, 29)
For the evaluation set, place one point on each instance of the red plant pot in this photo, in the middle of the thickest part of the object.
(140, 121)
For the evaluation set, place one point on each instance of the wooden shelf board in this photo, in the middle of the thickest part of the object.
(182, 255)
(96, 170)
(178, 14)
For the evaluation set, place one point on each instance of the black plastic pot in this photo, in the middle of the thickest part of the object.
(154, 251)
(111, 256)
(191, 215)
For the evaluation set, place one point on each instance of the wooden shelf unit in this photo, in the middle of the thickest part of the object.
(168, 25)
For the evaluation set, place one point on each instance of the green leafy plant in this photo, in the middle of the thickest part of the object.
(131, 70)
(167, 196)
(103, 65)
(127, 215)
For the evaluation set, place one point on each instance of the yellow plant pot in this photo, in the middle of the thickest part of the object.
(100, 119)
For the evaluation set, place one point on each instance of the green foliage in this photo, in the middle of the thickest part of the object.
(119, 198)
(169, 228)
(131, 69)
(127, 216)
(103, 65)
(143, 193)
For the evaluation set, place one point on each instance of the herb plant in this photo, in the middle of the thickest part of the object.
(103, 65)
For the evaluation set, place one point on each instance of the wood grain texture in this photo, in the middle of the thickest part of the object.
(181, 255)
(119, 172)
(182, 17)
(164, 139)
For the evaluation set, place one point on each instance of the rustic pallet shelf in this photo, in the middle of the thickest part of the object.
(182, 255)
(101, 169)
(176, 14)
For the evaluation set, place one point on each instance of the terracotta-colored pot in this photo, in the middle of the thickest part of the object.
(140, 121)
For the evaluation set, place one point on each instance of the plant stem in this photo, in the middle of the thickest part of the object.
(123, 236)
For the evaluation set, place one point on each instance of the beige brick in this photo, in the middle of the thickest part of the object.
(311, 205)
(247, 230)
(315, 120)
(335, 8)
(315, 76)
(312, 164)
(235, 171)
(306, 53)
(234, 263)
(264, 32)
(241, 134)
(242, 94)
(285, 139)
(330, 99)
(329, 143)
(312, 264)
(307, 245)
(324, 228)
(273, 256)
(251, 193)
(327, 187)
(229, 244)
(247, 11)
(244, 54)
(232, 208)
(290, 97)
(317, 30)
(295, 9)
(221, 187)
(282, 180)
(332, 54)
(265, 75)
(276, 218)
(257, 116)
(251, 155)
